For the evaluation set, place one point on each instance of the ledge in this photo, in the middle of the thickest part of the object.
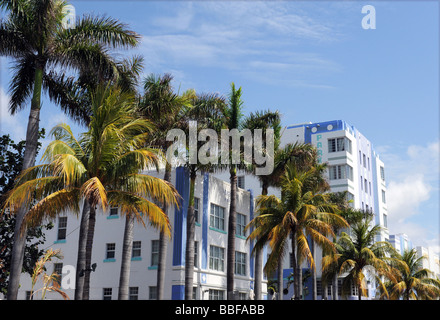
(217, 230)
(109, 260)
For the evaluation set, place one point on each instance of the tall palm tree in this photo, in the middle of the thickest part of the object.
(33, 36)
(300, 213)
(207, 110)
(102, 168)
(233, 119)
(409, 280)
(263, 120)
(356, 253)
(166, 109)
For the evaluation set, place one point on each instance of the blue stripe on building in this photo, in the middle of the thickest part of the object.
(179, 241)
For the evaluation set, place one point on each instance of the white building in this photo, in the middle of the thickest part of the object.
(400, 242)
(353, 166)
(431, 260)
(211, 209)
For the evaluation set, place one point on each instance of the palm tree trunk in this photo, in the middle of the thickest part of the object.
(296, 276)
(127, 248)
(163, 243)
(313, 270)
(30, 153)
(89, 247)
(258, 274)
(190, 231)
(280, 280)
(231, 234)
(259, 259)
(335, 287)
(82, 241)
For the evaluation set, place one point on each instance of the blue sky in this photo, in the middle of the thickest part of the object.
(312, 61)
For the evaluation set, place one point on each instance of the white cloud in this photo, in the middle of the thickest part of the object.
(257, 40)
(413, 186)
(14, 125)
(404, 197)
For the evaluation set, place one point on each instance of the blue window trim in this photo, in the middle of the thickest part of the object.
(152, 267)
(60, 241)
(113, 217)
(136, 259)
(109, 260)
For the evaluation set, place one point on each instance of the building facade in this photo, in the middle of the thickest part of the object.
(211, 209)
(353, 166)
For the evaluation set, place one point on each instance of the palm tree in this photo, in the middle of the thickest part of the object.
(300, 213)
(233, 118)
(356, 253)
(166, 109)
(207, 110)
(408, 280)
(263, 120)
(33, 36)
(102, 168)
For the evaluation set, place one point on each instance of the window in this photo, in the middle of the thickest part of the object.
(154, 252)
(58, 269)
(362, 185)
(365, 185)
(385, 220)
(382, 173)
(133, 293)
(383, 197)
(360, 157)
(196, 254)
(136, 252)
(350, 199)
(365, 161)
(340, 172)
(216, 294)
(240, 182)
(152, 293)
(113, 211)
(339, 144)
(62, 228)
(196, 209)
(110, 251)
(369, 187)
(241, 224)
(216, 258)
(106, 293)
(318, 287)
(217, 217)
(242, 296)
(368, 160)
(240, 263)
(194, 296)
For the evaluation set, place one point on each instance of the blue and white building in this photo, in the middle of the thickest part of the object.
(353, 166)
(212, 210)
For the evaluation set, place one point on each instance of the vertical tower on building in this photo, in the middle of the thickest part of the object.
(353, 164)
